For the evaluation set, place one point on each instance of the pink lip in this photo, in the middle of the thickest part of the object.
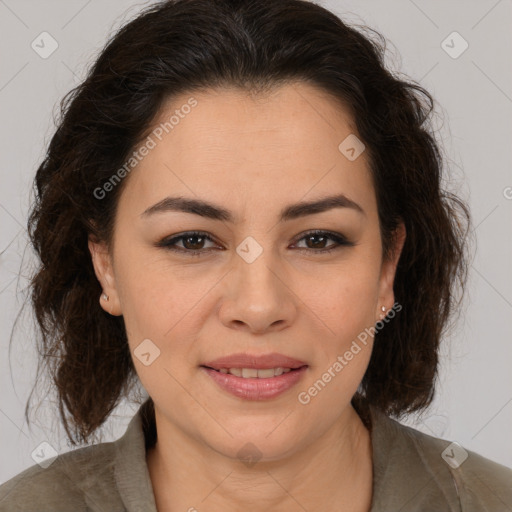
(262, 362)
(256, 388)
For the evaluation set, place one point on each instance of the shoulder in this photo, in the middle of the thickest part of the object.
(436, 472)
(481, 483)
(73, 481)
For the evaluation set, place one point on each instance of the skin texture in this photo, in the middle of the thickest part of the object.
(252, 155)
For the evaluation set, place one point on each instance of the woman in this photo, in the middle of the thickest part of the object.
(241, 207)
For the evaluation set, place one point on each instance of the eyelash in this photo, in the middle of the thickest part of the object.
(167, 243)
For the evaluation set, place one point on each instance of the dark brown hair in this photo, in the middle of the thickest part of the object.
(180, 46)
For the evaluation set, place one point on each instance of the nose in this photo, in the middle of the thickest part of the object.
(258, 297)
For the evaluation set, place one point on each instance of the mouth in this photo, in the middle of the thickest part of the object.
(244, 364)
(251, 381)
(255, 373)
(255, 376)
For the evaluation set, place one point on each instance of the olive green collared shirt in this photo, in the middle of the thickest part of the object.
(412, 472)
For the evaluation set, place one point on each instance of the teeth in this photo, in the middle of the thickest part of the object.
(253, 373)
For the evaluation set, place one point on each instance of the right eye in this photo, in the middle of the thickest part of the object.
(190, 241)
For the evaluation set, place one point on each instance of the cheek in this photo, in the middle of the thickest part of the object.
(158, 311)
(348, 302)
(347, 310)
(166, 305)
(344, 351)
(152, 293)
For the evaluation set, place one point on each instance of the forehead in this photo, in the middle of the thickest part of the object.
(235, 147)
(282, 117)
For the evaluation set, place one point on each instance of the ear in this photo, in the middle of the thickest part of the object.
(103, 269)
(387, 274)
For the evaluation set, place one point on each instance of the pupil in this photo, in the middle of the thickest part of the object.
(311, 237)
(192, 238)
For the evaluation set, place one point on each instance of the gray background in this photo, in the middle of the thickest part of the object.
(473, 405)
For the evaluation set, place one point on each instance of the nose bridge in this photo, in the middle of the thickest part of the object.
(256, 268)
(259, 297)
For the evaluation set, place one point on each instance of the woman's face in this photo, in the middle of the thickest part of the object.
(258, 284)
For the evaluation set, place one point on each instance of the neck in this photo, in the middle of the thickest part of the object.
(332, 473)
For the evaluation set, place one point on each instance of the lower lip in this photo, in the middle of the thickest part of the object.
(255, 388)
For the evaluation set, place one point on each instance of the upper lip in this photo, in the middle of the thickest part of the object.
(261, 361)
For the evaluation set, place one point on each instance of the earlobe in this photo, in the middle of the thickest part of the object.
(102, 263)
(105, 298)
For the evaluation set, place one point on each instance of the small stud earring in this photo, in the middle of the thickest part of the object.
(383, 309)
(105, 297)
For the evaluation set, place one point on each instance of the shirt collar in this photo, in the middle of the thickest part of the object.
(131, 471)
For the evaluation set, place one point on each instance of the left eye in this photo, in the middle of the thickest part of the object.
(192, 242)
(319, 237)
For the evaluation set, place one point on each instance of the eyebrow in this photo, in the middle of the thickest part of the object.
(215, 212)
